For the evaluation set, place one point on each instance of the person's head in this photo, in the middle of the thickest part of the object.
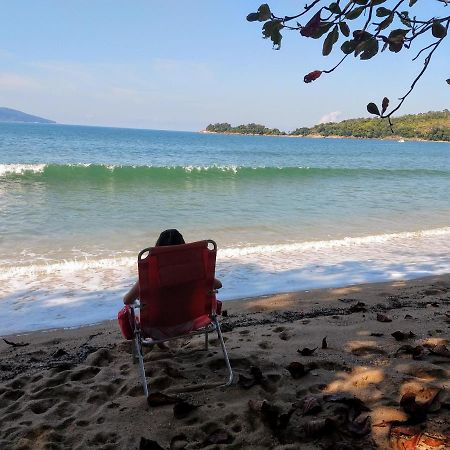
(169, 237)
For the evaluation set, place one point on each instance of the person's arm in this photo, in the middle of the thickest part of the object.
(132, 294)
(217, 283)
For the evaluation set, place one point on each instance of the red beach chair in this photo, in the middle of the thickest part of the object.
(176, 298)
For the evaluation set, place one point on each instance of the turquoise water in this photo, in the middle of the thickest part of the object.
(286, 212)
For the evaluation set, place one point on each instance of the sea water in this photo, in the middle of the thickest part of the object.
(78, 203)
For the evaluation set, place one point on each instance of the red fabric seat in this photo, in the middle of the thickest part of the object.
(176, 289)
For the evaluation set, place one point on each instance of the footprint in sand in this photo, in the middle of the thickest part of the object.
(265, 345)
(84, 374)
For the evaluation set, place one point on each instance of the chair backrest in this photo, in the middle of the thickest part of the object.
(176, 284)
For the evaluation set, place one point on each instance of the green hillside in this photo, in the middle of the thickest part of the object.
(432, 126)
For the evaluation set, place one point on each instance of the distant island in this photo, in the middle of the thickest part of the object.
(430, 126)
(12, 115)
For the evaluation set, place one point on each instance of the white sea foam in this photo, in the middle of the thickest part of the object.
(73, 293)
(20, 168)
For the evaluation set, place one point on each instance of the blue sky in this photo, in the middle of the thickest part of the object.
(182, 64)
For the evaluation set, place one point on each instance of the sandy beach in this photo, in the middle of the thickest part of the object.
(313, 370)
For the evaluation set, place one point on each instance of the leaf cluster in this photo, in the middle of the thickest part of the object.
(362, 28)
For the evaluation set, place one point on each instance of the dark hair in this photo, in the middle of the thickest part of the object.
(169, 237)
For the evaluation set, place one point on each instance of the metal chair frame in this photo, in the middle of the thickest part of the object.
(139, 341)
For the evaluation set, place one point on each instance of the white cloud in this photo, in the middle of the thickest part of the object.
(330, 117)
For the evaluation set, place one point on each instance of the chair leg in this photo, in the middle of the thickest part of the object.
(224, 350)
(140, 357)
(206, 340)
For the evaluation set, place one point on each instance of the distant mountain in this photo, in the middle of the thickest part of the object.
(12, 115)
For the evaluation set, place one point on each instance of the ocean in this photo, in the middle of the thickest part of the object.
(78, 203)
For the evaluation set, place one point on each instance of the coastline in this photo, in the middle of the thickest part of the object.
(78, 388)
(319, 136)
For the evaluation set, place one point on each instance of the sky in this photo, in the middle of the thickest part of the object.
(180, 65)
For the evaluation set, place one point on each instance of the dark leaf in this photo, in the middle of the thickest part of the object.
(334, 8)
(369, 49)
(182, 408)
(396, 39)
(270, 414)
(253, 17)
(160, 399)
(354, 13)
(400, 336)
(264, 12)
(448, 80)
(381, 317)
(306, 351)
(311, 405)
(440, 350)
(309, 29)
(438, 30)
(330, 40)
(348, 399)
(383, 12)
(319, 427)
(373, 109)
(271, 29)
(345, 30)
(361, 425)
(324, 343)
(148, 444)
(412, 2)
(348, 47)
(384, 105)
(311, 76)
(297, 369)
(416, 410)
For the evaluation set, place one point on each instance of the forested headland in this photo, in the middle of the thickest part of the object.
(430, 126)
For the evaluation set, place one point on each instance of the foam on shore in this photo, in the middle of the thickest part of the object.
(74, 293)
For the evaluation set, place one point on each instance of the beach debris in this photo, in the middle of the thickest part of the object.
(311, 405)
(409, 316)
(418, 404)
(160, 399)
(59, 353)
(377, 334)
(225, 313)
(297, 369)
(356, 405)
(255, 405)
(403, 437)
(383, 318)
(219, 436)
(361, 425)
(324, 343)
(256, 377)
(182, 408)
(173, 372)
(440, 350)
(318, 427)
(306, 351)
(16, 344)
(148, 444)
(417, 352)
(400, 336)
(358, 307)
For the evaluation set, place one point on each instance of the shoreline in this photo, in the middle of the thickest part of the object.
(319, 136)
(78, 388)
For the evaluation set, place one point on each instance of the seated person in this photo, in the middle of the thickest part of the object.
(167, 237)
